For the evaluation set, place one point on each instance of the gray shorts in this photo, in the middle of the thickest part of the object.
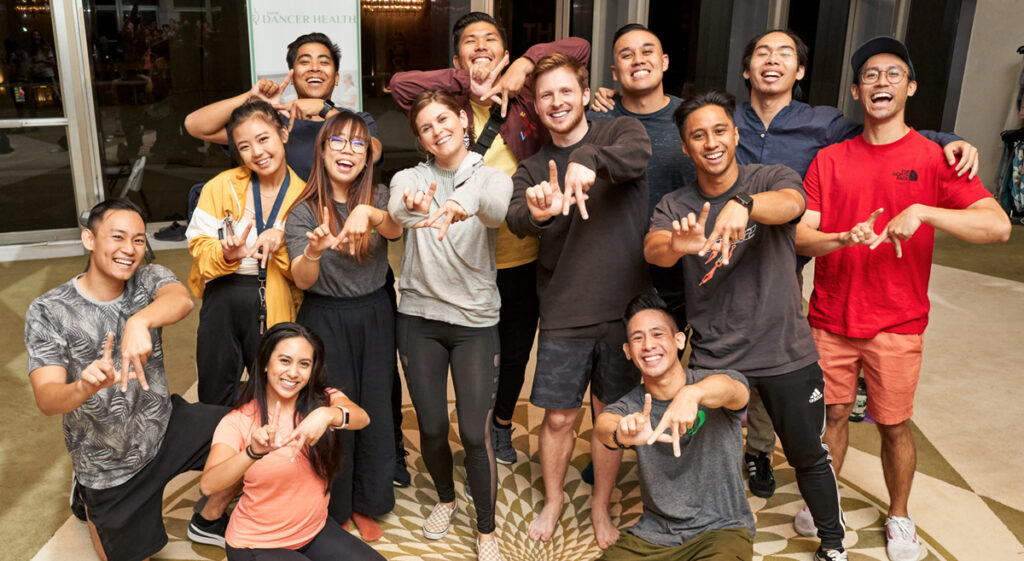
(569, 359)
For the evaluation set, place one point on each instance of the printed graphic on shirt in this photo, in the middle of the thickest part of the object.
(714, 255)
(528, 127)
(905, 175)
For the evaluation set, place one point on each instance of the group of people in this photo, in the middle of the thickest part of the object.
(613, 233)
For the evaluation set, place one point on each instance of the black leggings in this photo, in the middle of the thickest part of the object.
(795, 402)
(517, 329)
(227, 337)
(330, 544)
(426, 348)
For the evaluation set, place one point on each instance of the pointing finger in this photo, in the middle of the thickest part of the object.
(647, 406)
(675, 440)
(897, 246)
(108, 347)
(553, 173)
(140, 373)
(287, 80)
(874, 215)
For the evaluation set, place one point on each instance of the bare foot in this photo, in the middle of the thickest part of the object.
(369, 530)
(604, 531)
(543, 527)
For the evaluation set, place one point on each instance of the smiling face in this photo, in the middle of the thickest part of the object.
(480, 44)
(260, 145)
(884, 100)
(640, 63)
(344, 166)
(710, 140)
(774, 66)
(117, 242)
(440, 131)
(314, 73)
(561, 101)
(289, 368)
(652, 343)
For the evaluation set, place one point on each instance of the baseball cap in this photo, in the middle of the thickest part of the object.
(877, 46)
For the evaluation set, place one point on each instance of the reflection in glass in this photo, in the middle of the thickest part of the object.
(29, 86)
(36, 189)
(151, 66)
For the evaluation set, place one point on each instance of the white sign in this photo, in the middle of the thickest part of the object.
(274, 24)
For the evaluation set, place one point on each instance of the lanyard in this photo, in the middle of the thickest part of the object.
(256, 201)
(260, 226)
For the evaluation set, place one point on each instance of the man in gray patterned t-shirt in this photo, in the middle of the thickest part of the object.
(95, 356)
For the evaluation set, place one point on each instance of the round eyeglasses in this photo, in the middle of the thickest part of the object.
(338, 144)
(894, 75)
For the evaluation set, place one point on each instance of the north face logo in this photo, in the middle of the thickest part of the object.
(905, 175)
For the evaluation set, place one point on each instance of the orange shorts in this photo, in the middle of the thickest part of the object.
(891, 364)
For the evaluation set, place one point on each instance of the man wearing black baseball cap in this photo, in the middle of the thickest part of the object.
(870, 302)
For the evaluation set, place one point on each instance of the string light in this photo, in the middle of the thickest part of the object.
(393, 6)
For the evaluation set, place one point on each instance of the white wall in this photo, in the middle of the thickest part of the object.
(990, 80)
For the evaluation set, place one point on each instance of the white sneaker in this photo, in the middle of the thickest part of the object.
(901, 539)
(803, 523)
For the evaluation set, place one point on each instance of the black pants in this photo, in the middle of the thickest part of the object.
(396, 387)
(359, 344)
(795, 401)
(332, 543)
(227, 337)
(517, 328)
(427, 348)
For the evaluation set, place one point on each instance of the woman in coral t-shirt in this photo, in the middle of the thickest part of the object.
(277, 442)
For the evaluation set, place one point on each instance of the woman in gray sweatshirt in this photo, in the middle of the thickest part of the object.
(451, 207)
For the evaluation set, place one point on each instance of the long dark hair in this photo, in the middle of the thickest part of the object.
(318, 192)
(325, 455)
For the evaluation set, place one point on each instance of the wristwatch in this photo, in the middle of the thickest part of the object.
(328, 105)
(744, 199)
(344, 417)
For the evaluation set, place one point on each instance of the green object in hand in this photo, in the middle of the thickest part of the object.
(700, 422)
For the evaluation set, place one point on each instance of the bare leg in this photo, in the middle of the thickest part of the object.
(606, 468)
(837, 433)
(556, 444)
(899, 460)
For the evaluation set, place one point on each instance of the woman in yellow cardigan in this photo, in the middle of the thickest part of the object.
(236, 238)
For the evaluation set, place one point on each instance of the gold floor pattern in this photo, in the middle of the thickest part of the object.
(520, 492)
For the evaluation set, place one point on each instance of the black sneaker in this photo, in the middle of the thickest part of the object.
(175, 232)
(860, 406)
(402, 478)
(501, 436)
(760, 476)
(830, 555)
(210, 532)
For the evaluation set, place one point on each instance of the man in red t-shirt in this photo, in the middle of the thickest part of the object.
(870, 303)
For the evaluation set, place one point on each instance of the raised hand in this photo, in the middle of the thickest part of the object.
(635, 429)
(449, 213)
(730, 226)
(510, 83)
(419, 202)
(265, 439)
(968, 157)
(901, 228)
(545, 199)
(136, 346)
(688, 232)
(863, 233)
(234, 247)
(269, 90)
(100, 373)
(678, 418)
(303, 109)
(578, 180)
(604, 100)
(320, 238)
(266, 244)
(309, 430)
(361, 222)
(482, 78)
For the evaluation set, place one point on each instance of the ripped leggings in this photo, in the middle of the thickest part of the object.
(427, 348)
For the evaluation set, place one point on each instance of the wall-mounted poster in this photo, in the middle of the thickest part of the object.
(274, 24)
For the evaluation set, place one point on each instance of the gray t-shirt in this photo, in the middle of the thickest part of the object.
(112, 435)
(341, 275)
(745, 315)
(703, 488)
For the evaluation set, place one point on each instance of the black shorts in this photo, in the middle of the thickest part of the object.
(569, 359)
(129, 517)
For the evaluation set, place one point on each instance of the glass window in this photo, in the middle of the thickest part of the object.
(29, 86)
(36, 188)
(151, 66)
(393, 42)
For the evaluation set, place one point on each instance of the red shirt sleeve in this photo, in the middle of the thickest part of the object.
(958, 192)
(812, 188)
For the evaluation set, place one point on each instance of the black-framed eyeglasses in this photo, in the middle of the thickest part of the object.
(338, 144)
(894, 75)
